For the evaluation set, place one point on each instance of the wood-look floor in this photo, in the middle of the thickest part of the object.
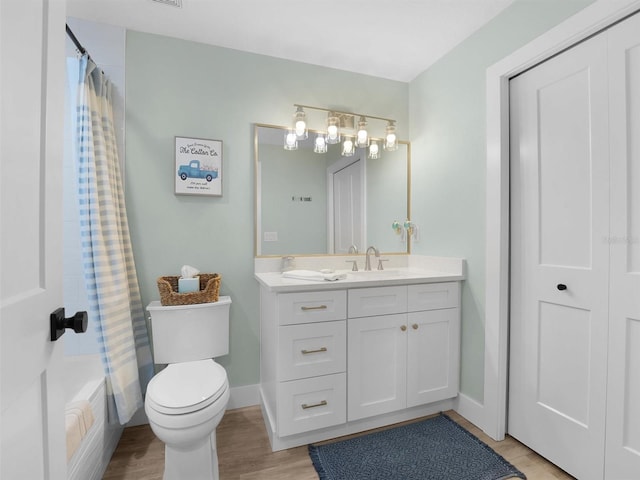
(244, 453)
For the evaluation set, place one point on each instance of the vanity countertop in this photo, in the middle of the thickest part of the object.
(275, 282)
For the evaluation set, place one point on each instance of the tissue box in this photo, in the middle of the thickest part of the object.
(186, 285)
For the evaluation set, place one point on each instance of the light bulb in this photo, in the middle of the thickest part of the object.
(320, 145)
(374, 150)
(362, 137)
(333, 134)
(301, 126)
(290, 140)
(391, 141)
(347, 148)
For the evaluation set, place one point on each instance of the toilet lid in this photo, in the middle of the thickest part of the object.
(186, 387)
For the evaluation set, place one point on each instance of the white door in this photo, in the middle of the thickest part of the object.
(623, 400)
(31, 134)
(348, 218)
(559, 261)
(376, 365)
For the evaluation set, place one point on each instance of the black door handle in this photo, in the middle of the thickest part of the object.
(59, 323)
(561, 286)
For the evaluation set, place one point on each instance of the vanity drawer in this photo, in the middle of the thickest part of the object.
(433, 296)
(312, 403)
(312, 349)
(308, 307)
(368, 302)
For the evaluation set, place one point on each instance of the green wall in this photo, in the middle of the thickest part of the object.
(447, 116)
(175, 87)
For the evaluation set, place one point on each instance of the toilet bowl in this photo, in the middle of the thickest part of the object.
(185, 403)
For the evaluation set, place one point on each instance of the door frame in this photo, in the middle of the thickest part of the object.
(492, 416)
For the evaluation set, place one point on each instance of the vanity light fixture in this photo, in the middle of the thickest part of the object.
(300, 123)
(362, 137)
(320, 144)
(374, 150)
(390, 139)
(342, 126)
(348, 147)
(333, 129)
(290, 140)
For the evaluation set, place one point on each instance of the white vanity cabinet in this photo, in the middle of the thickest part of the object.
(407, 357)
(303, 359)
(340, 358)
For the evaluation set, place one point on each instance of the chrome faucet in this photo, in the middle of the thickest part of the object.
(353, 249)
(367, 262)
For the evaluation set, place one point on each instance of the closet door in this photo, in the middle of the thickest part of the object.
(623, 402)
(559, 261)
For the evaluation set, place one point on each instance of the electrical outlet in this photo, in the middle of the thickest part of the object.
(270, 236)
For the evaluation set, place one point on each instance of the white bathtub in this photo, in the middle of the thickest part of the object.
(84, 381)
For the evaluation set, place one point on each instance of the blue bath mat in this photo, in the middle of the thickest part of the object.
(434, 449)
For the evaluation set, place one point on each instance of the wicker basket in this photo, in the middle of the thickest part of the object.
(209, 289)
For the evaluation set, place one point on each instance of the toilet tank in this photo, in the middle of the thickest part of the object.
(183, 333)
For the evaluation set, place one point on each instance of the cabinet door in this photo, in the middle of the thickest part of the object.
(377, 365)
(433, 355)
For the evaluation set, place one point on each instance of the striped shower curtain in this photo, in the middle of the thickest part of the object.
(115, 306)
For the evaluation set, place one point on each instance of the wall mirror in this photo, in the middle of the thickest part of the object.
(310, 204)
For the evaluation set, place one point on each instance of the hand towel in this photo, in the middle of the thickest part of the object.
(314, 276)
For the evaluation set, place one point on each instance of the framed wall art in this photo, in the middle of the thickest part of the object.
(198, 166)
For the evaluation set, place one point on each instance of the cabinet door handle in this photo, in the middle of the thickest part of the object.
(415, 326)
(403, 328)
(319, 307)
(319, 350)
(314, 405)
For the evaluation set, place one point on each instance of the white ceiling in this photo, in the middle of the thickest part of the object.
(394, 39)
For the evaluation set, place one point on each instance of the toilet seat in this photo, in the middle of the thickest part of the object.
(187, 387)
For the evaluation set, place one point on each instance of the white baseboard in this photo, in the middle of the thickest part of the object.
(244, 396)
(471, 410)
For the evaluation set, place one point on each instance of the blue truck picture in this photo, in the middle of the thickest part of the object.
(195, 170)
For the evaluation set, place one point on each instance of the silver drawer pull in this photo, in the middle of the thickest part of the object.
(319, 307)
(321, 404)
(319, 350)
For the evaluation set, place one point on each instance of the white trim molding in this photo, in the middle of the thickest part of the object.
(244, 396)
(469, 408)
(594, 18)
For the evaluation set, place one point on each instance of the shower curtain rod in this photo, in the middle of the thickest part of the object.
(76, 42)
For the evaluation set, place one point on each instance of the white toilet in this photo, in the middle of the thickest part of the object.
(186, 401)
